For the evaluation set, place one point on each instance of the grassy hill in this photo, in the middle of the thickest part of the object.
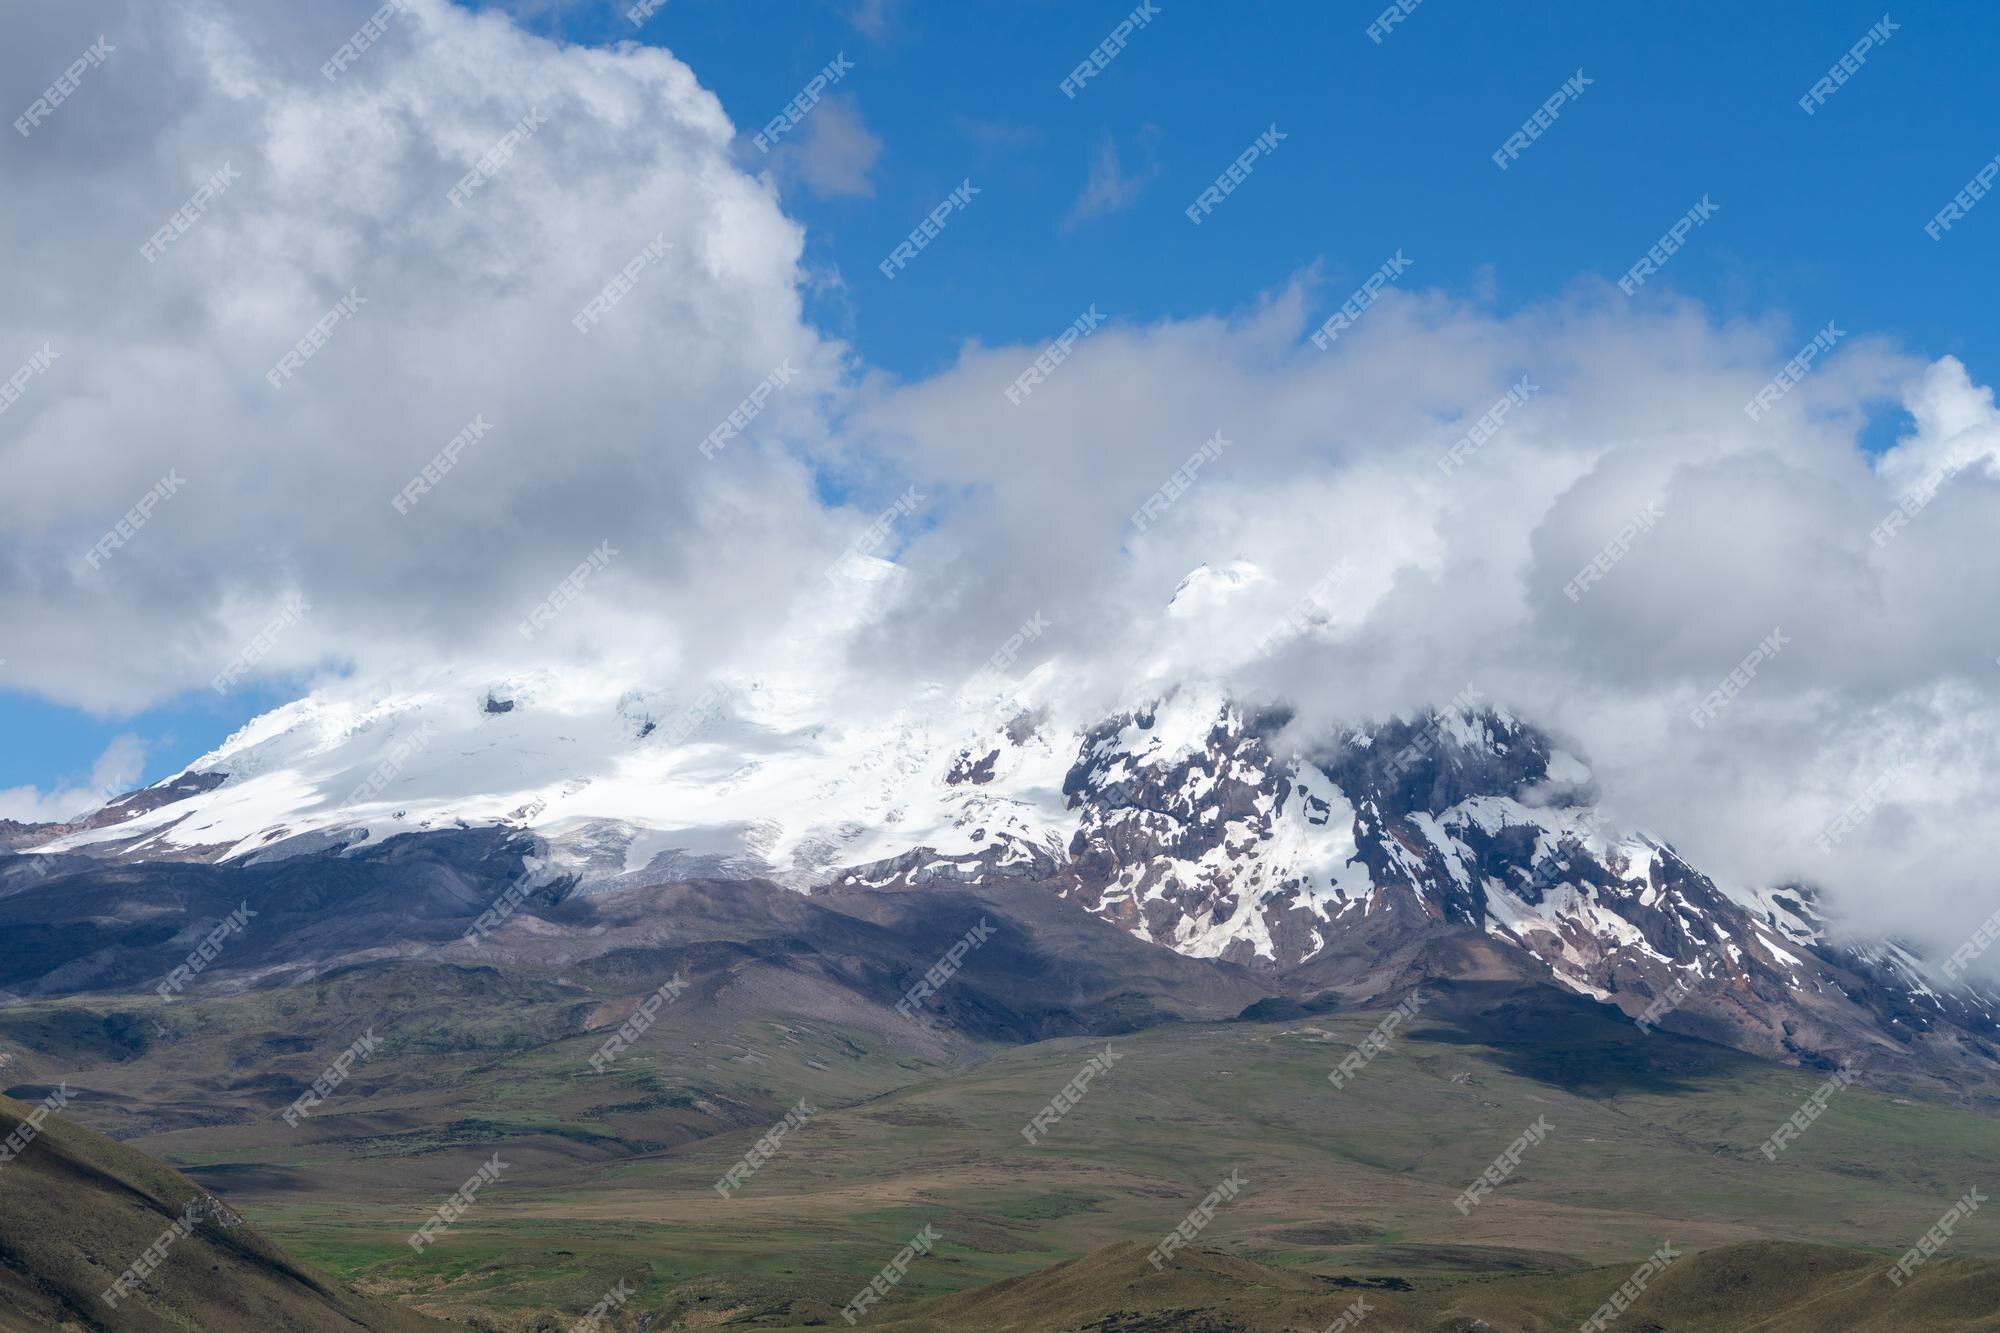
(77, 1209)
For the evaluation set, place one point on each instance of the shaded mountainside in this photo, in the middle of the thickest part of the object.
(1047, 968)
(77, 1209)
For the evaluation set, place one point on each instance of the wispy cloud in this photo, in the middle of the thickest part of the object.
(834, 151)
(874, 18)
(1110, 188)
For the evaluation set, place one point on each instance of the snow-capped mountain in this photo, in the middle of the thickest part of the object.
(1191, 826)
(1196, 822)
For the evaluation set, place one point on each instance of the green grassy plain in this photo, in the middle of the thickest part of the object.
(1652, 1140)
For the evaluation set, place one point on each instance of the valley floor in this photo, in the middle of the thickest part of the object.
(1625, 1143)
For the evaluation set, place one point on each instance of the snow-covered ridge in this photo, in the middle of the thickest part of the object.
(1181, 803)
(730, 772)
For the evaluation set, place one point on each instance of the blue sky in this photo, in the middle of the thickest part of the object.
(1387, 148)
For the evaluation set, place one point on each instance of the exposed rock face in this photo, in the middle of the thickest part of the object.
(1209, 830)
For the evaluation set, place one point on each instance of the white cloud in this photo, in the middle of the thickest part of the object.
(343, 188)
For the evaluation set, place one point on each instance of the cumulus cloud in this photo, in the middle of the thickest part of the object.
(1420, 578)
(343, 191)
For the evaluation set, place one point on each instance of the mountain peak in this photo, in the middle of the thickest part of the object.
(1211, 585)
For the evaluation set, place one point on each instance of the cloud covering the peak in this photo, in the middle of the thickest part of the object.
(1856, 750)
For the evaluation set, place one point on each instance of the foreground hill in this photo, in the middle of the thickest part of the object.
(77, 1209)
